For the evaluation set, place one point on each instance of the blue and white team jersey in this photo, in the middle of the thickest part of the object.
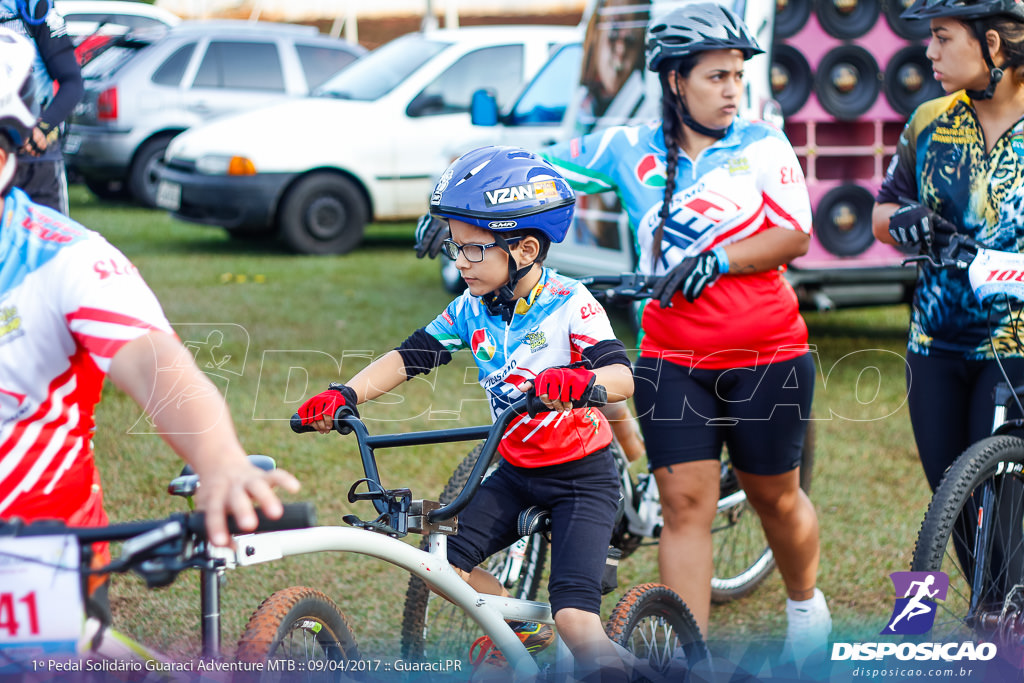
(68, 302)
(745, 183)
(550, 328)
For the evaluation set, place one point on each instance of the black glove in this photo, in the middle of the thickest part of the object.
(430, 233)
(915, 225)
(690, 277)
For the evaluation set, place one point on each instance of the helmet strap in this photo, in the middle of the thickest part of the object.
(690, 122)
(502, 301)
(995, 73)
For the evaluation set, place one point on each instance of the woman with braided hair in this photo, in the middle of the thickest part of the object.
(718, 206)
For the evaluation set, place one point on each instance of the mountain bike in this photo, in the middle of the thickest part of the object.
(46, 565)
(743, 559)
(974, 527)
(651, 623)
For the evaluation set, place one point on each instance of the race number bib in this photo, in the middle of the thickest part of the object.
(41, 605)
(997, 272)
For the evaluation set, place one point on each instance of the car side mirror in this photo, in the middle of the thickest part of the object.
(483, 109)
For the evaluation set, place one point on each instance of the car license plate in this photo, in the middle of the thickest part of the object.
(168, 195)
(72, 143)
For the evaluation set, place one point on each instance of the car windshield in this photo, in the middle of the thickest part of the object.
(377, 74)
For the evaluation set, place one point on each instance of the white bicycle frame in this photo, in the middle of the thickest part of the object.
(489, 611)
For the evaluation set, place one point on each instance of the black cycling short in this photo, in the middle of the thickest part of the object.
(583, 496)
(950, 401)
(44, 182)
(761, 412)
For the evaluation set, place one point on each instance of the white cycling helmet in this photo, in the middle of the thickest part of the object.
(17, 104)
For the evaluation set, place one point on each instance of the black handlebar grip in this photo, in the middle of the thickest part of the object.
(295, 516)
(298, 427)
(597, 397)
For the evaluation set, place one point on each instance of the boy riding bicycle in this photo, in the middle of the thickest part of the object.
(526, 326)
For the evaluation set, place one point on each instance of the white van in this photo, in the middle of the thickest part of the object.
(367, 145)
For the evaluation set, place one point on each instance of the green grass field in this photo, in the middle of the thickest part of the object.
(272, 328)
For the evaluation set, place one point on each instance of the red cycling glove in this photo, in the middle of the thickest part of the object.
(326, 404)
(564, 384)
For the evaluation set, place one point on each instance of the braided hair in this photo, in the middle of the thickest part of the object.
(672, 109)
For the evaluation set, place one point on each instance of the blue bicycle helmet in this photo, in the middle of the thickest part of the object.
(504, 189)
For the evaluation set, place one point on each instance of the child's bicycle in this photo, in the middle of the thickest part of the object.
(742, 557)
(46, 564)
(651, 622)
(974, 527)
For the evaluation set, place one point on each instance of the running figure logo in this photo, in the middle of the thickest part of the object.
(914, 612)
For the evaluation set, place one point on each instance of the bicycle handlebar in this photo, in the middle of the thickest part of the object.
(345, 421)
(622, 287)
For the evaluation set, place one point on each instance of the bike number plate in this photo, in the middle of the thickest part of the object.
(42, 610)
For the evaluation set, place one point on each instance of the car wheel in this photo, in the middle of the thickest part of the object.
(142, 178)
(106, 189)
(325, 213)
(451, 278)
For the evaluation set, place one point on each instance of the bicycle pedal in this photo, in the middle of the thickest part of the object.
(375, 526)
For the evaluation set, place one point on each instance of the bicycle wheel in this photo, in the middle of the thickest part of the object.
(298, 624)
(973, 531)
(433, 628)
(655, 625)
(741, 553)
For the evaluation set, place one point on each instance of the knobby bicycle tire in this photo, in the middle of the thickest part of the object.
(302, 625)
(980, 600)
(655, 625)
(433, 628)
(741, 554)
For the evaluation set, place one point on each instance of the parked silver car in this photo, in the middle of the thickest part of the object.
(147, 87)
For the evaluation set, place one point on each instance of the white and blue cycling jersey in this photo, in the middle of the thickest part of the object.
(554, 326)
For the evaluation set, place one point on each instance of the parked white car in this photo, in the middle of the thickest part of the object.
(111, 17)
(368, 145)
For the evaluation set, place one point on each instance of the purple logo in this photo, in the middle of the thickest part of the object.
(916, 593)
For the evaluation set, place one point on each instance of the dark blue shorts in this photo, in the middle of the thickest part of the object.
(761, 412)
(583, 497)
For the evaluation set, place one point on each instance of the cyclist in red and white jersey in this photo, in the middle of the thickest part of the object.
(718, 206)
(73, 310)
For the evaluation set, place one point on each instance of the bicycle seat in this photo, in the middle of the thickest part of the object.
(534, 519)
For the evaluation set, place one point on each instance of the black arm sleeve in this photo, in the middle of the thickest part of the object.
(421, 353)
(604, 353)
(58, 53)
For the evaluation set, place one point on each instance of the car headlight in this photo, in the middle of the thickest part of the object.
(222, 164)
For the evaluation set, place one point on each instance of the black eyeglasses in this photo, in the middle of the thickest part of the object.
(474, 253)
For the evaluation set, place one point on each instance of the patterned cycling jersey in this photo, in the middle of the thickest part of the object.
(550, 328)
(941, 161)
(745, 183)
(68, 302)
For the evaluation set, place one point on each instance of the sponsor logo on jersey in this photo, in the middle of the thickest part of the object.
(482, 345)
(738, 165)
(47, 229)
(650, 171)
(542, 189)
(10, 324)
(536, 340)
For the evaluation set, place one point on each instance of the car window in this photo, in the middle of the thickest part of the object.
(173, 68)
(109, 61)
(240, 66)
(499, 69)
(320, 62)
(547, 98)
(128, 20)
(379, 72)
